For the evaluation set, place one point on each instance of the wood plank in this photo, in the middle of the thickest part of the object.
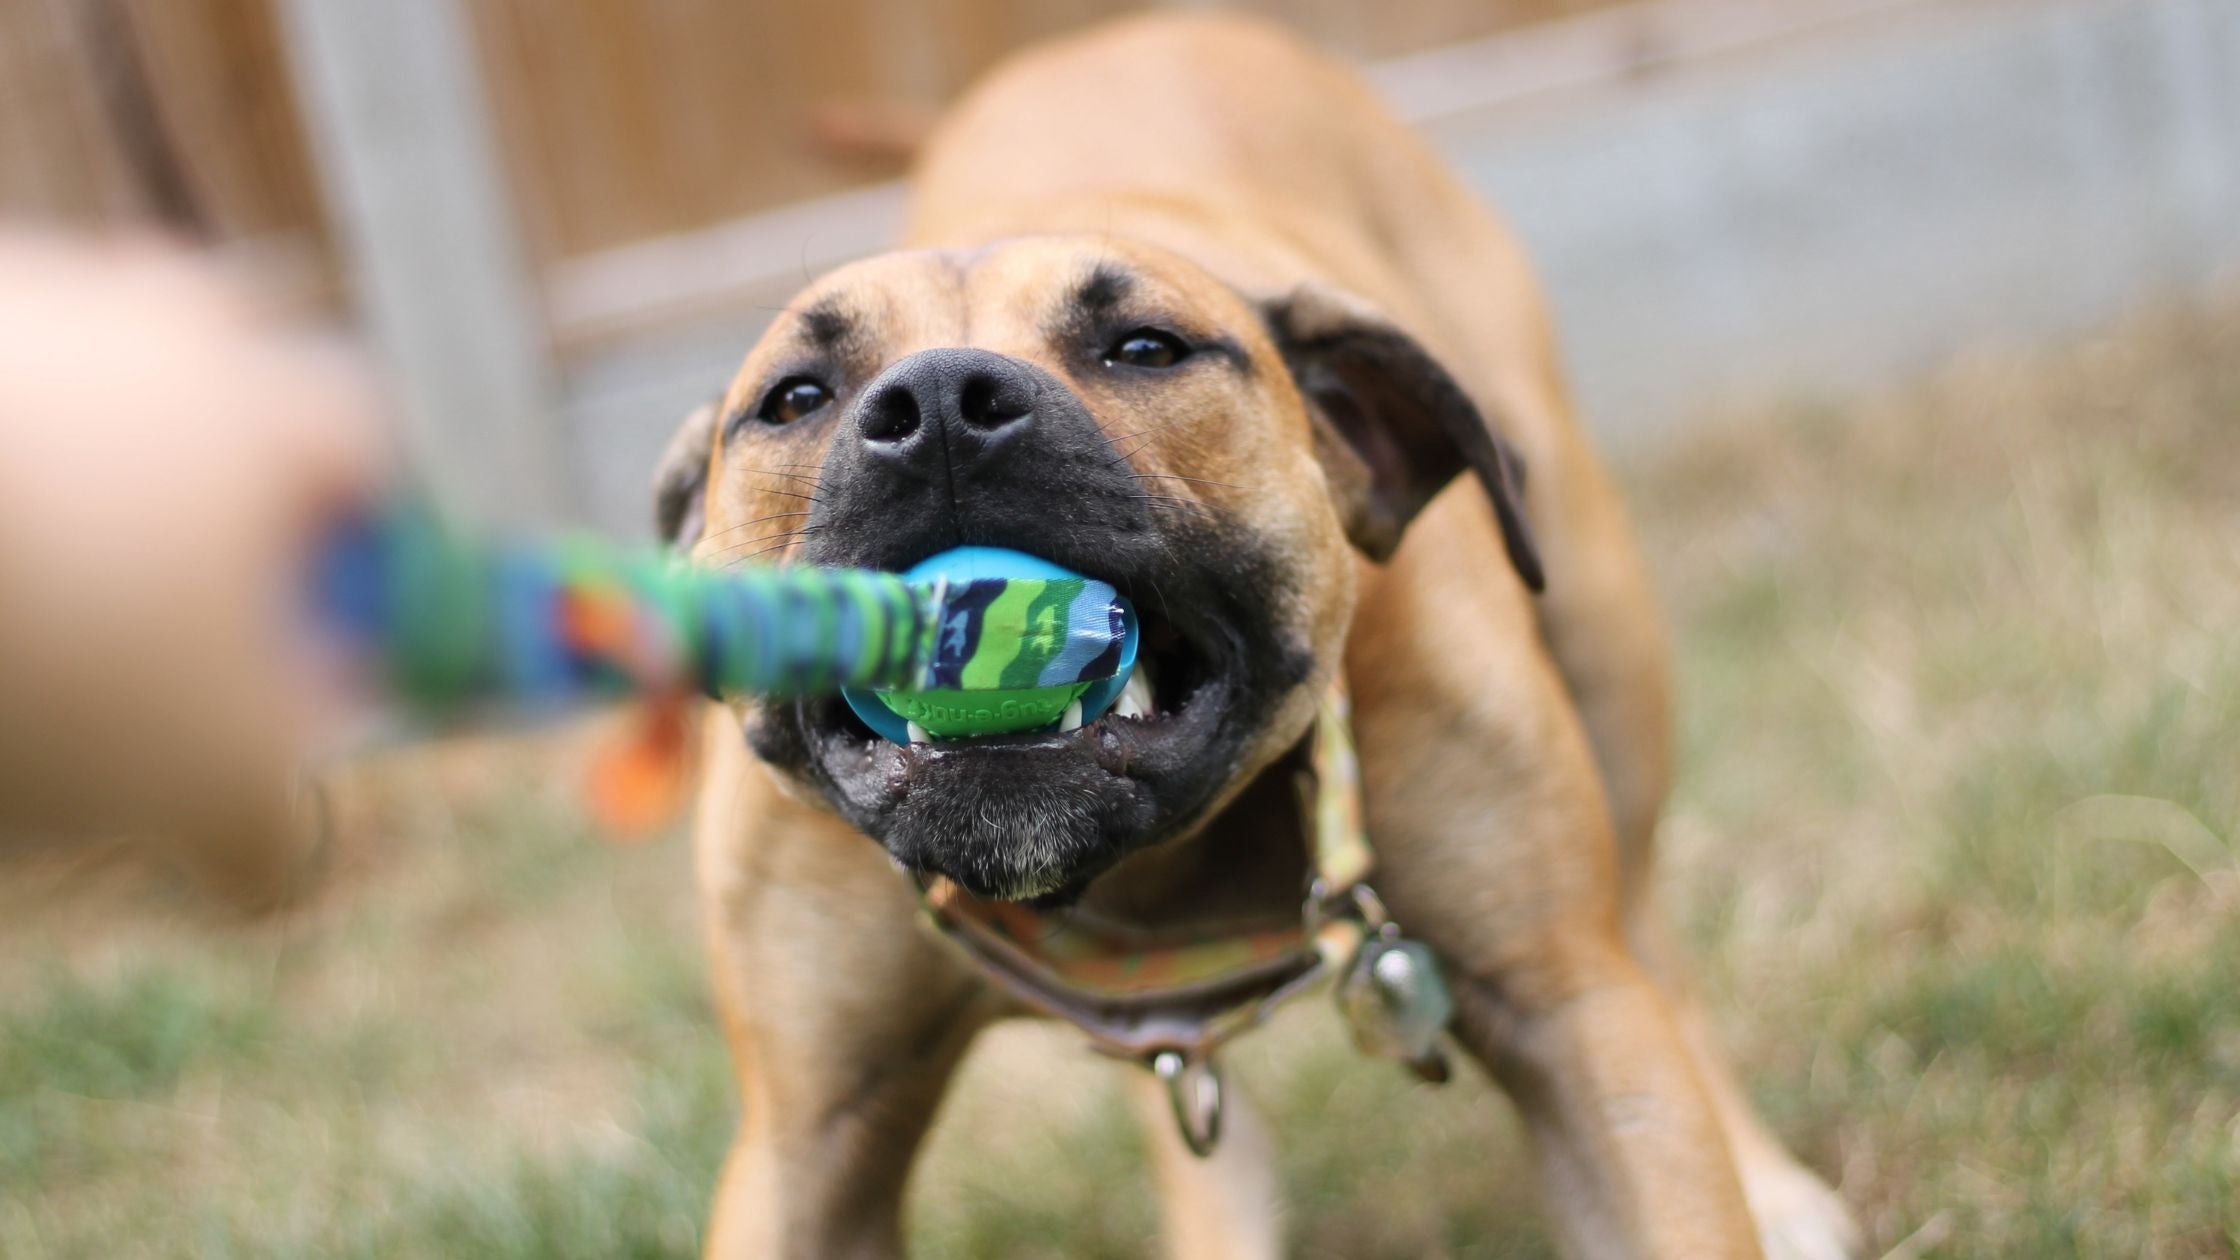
(410, 167)
(58, 164)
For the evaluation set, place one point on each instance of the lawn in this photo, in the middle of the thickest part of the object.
(1955, 841)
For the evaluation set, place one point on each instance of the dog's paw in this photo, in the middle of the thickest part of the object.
(1798, 1216)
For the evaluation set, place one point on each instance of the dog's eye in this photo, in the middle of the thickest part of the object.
(1147, 348)
(792, 399)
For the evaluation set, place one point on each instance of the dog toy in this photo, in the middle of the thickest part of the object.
(975, 641)
(1019, 643)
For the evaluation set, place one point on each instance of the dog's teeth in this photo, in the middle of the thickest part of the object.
(918, 734)
(1072, 720)
(1135, 698)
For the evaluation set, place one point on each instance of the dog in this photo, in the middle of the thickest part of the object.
(1183, 308)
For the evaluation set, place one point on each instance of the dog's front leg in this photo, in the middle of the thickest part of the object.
(1223, 1206)
(1494, 846)
(845, 1018)
(1632, 1158)
(1515, 890)
(826, 1139)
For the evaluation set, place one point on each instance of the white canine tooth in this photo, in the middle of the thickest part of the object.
(918, 734)
(1135, 697)
(1072, 720)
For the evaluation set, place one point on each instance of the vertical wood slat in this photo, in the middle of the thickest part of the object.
(220, 80)
(57, 162)
(393, 100)
(220, 104)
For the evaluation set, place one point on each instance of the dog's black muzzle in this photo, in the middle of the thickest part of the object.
(958, 447)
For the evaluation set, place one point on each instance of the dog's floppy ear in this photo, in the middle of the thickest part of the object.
(680, 483)
(1392, 428)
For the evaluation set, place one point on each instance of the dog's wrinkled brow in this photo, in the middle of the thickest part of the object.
(1100, 303)
(1092, 303)
(1102, 289)
(826, 324)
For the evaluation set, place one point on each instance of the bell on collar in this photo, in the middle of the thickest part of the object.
(1397, 1002)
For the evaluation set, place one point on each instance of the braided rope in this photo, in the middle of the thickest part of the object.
(454, 623)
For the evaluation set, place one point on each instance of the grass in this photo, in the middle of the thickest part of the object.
(1955, 842)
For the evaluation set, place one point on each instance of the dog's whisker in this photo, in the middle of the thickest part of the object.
(795, 478)
(774, 532)
(764, 541)
(743, 559)
(729, 538)
(812, 475)
(1191, 505)
(779, 546)
(791, 494)
(1196, 481)
(1128, 437)
(1164, 609)
(1131, 452)
(729, 530)
(774, 516)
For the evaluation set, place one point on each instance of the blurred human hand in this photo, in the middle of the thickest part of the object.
(169, 456)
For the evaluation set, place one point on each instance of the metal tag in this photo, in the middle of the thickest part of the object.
(1397, 1002)
(1194, 1091)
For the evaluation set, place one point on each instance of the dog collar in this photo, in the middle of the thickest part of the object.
(1172, 1006)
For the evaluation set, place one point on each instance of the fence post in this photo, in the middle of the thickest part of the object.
(408, 161)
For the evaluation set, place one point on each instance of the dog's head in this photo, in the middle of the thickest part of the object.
(1115, 409)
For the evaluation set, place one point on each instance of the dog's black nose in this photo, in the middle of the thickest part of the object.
(953, 447)
(947, 408)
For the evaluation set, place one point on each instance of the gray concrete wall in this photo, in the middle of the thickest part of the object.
(1816, 217)
(1834, 219)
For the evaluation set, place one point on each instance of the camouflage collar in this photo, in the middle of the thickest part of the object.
(1173, 1008)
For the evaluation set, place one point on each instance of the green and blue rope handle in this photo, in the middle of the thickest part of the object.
(453, 626)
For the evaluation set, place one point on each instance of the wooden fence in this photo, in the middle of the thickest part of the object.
(616, 120)
(560, 221)
(450, 171)
(178, 110)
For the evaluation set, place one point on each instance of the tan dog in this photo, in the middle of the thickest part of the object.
(1185, 309)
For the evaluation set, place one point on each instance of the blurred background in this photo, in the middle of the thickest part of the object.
(1911, 324)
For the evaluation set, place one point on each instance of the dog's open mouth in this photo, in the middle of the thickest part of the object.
(1037, 815)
